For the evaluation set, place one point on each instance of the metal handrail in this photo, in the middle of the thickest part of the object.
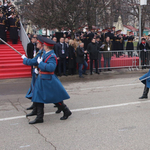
(23, 37)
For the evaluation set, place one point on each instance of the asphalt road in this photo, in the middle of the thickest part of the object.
(107, 115)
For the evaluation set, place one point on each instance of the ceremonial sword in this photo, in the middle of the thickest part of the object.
(10, 46)
(145, 78)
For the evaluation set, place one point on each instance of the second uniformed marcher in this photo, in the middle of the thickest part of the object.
(35, 73)
(48, 88)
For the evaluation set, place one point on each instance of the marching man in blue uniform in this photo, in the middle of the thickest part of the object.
(47, 88)
(35, 73)
(145, 79)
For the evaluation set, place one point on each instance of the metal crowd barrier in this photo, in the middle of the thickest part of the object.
(131, 59)
(23, 37)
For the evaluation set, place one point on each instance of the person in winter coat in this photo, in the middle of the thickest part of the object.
(107, 54)
(144, 53)
(81, 60)
(71, 59)
(93, 51)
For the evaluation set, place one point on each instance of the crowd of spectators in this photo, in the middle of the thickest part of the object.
(9, 21)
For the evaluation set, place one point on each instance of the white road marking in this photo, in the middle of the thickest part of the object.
(24, 146)
(102, 87)
(85, 109)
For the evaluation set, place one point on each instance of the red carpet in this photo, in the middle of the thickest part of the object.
(11, 63)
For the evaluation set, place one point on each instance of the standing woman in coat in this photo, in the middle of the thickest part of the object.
(48, 88)
(71, 61)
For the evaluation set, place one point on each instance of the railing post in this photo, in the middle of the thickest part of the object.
(23, 37)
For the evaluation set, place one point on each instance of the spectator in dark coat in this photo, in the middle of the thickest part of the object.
(99, 44)
(93, 50)
(71, 59)
(81, 61)
(144, 53)
(31, 48)
(107, 54)
(55, 40)
(62, 55)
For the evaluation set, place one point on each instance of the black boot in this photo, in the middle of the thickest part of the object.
(34, 111)
(58, 105)
(29, 108)
(58, 110)
(40, 115)
(145, 93)
(66, 112)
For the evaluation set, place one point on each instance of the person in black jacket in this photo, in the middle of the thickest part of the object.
(31, 47)
(71, 58)
(55, 40)
(144, 53)
(62, 55)
(81, 61)
(99, 44)
(93, 50)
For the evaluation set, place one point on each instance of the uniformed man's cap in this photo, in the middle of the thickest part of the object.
(143, 39)
(103, 30)
(113, 27)
(40, 39)
(48, 42)
(12, 7)
(118, 31)
(130, 32)
(78, 35)
(109, 30)
(97, 37)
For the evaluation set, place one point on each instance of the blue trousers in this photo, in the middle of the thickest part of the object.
(81, 66)
(107, 60)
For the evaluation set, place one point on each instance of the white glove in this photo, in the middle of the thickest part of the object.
(10, 16)
(23, 57)
(36, 71)
(39, 59)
